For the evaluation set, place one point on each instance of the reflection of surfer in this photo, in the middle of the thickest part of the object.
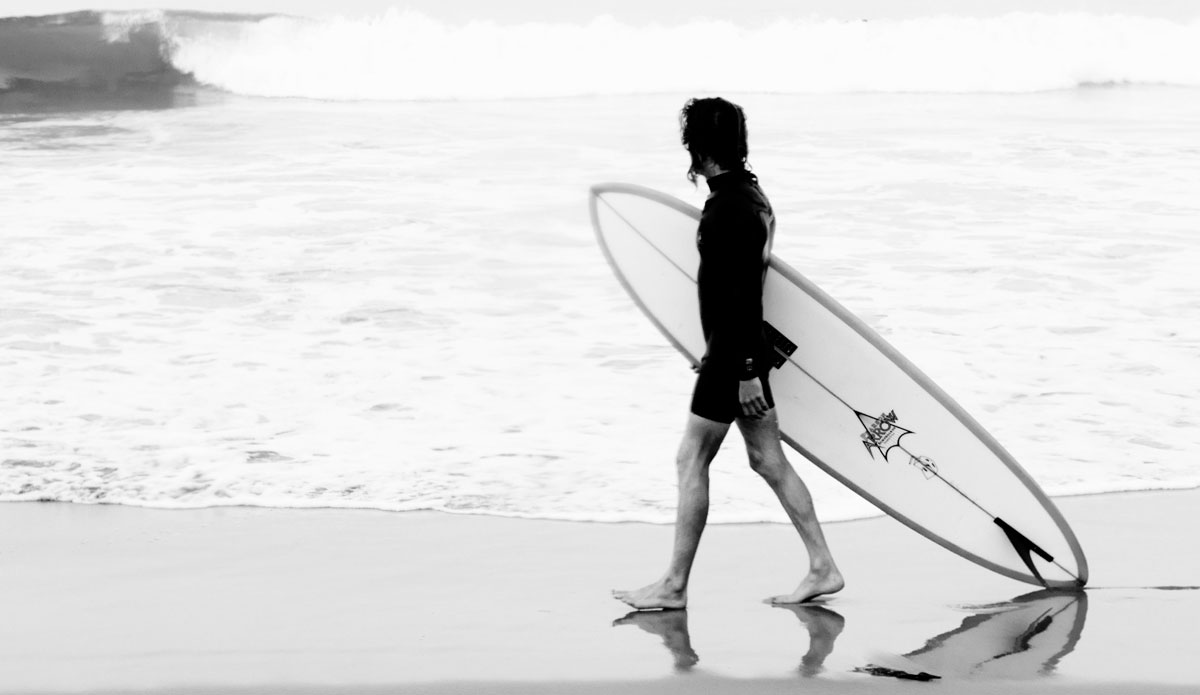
(734, 239)
(823, 626)
(1022, 638)
(672, 627)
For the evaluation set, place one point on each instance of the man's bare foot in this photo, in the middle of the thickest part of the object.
(660, 594)
(817, 583)
(672, 627)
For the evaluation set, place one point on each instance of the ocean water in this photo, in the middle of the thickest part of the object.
(348, 262)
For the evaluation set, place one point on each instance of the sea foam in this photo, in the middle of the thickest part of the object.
(404, 55)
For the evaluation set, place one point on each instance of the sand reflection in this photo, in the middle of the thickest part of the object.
(1023, 638)
(823, 626)
(672, 627)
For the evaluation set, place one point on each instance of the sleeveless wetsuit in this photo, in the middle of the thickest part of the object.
(736, 230)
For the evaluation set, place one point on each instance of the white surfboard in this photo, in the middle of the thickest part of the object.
(849, 402)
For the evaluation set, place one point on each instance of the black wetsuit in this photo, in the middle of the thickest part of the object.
(734, 238)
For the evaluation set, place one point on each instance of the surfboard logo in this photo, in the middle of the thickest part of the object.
(882, 433)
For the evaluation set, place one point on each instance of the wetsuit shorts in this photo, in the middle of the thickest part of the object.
(715, 396)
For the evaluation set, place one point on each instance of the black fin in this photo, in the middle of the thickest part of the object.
(1023, 546)
(783, 347)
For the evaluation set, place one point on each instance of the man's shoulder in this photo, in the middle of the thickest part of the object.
(747, 196)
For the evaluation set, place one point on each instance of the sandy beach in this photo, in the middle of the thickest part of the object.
(113, 598)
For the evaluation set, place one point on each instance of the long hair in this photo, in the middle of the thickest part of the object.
(713, 129)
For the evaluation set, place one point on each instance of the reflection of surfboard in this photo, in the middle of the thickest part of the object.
(849, 401)
(1022, 638)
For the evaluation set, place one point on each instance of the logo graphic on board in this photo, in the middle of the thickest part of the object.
(882, 433)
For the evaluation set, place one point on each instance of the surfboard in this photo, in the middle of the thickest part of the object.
(850, 402)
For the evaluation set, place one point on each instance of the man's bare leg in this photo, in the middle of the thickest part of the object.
(767, 459)
(701, 440)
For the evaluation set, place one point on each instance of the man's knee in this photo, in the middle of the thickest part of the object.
(700, 443)
(686, 459)
(763, 463)
(693, 455)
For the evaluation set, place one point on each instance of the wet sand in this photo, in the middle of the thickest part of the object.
(240, 600)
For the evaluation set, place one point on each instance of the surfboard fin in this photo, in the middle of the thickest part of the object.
(783, 347)
(1024, 546)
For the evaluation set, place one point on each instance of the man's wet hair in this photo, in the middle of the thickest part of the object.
(713, 128)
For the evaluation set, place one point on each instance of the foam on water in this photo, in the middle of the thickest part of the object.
(406, 55)
(401, 306)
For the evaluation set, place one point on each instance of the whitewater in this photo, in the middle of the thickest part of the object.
(409, 55)
(347, 262)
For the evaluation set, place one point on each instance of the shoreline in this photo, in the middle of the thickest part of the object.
(230, 600)
(1055, 498)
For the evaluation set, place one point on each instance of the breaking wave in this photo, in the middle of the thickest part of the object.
(403, 55)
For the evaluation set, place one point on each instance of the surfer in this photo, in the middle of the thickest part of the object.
(734, 238)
